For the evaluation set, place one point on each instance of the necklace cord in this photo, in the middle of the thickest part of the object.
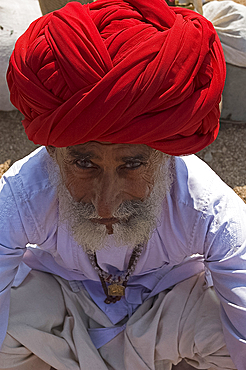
(130, 269)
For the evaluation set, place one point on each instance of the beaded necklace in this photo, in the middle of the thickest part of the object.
(114, 285)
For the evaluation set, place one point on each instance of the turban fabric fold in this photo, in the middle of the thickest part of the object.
(119, 71)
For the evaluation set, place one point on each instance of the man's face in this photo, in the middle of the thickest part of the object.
(106, 175)
(110, 185)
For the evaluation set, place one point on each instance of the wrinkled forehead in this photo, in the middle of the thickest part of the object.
(100, 150)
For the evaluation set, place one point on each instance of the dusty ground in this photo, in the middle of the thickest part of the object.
(13, 141)
(226, 156)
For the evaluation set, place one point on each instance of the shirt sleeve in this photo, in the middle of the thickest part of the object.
(225, 257)
(13, 242)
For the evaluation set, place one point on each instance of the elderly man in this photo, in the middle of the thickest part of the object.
(121, 253)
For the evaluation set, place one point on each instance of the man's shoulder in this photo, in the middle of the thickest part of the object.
(196, 184)
(29, 175)
(27, 183)
(194, 171)
(199, 203)
(28, 197)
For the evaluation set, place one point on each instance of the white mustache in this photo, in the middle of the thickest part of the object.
(127, 209)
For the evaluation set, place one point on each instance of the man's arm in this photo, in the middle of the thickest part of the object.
(12, 247)
(225, 256)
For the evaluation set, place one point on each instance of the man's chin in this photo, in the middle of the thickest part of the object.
(95, 237)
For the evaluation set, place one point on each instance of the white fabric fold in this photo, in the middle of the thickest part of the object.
(49, 325)
(229, 21)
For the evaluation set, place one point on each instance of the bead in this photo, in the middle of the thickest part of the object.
(119, 281)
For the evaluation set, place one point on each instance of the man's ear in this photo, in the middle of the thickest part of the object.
(51, 150)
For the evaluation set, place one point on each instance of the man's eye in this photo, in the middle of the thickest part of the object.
(133, 164)
(84, 163)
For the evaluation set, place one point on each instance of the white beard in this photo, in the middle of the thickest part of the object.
(137, 219)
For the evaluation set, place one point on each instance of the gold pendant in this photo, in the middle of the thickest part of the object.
(116, 290)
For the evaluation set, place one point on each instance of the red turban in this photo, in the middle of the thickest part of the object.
(119, 71)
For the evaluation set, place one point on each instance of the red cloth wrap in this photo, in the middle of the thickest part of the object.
(122, 72)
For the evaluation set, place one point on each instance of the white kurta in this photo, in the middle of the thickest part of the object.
(200, 215)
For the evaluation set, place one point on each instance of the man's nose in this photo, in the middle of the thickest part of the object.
(107, 195)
